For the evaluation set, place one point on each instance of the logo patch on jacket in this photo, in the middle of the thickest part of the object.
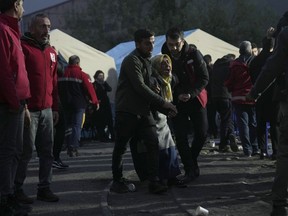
(53, 57)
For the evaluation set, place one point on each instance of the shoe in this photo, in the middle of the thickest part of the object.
(72, 152)
(263, 155)
(256, 153)
(196, 172)
(46, 195)
(59, 164)
(233, 143)
(21, 197)
(279, 211)
(119, 186)
(9, 206)
(176, 183)
(224, 149)
(188, 177)
(155, 187)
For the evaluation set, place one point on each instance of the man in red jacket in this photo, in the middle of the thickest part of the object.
(74, 89)
(41, 64)
(14, 90)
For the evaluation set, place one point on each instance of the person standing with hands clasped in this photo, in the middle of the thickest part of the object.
(14, 91)
(133, 112)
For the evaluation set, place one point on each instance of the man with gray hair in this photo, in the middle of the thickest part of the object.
(41, 64)
(239, 84)
(74, 89)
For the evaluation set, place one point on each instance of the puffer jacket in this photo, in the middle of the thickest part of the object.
(41, 64)
(14, 83)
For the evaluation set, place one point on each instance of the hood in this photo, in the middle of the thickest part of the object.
(27, 37)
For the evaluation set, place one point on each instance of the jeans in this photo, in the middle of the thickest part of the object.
(190, 111)
(128, 126)
(40, 134)
(73, 122)
(224, 108)
(11, 143)
(279, 188)
(246, 122)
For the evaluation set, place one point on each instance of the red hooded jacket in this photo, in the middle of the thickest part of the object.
(41, 64)
(14, 84)
(239, 82)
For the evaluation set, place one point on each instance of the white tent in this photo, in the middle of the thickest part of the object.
(91, 59)
(206, 43)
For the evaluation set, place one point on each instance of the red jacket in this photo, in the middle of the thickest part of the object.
(41, 64)
(75, 89)
(239, 82)
(14, 84)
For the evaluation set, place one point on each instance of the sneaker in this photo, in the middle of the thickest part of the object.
(155, 187)
(188, 177)
(21, 197)
(233, 143)
(176, 183)
(59, 164)
(224, 149)
(119, 187)
(10, 207)
(72, 152)
(46, 195)
(279, 211)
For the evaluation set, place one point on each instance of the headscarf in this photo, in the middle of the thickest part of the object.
(166, 80)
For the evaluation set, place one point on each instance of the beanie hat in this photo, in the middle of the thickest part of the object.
(245, 47)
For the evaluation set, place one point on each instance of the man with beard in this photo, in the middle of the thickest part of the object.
(133, 112)
(190, 98)
(41, 64)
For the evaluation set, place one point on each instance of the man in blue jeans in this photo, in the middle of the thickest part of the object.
(275, 67)
(74, 89)
(41, 64)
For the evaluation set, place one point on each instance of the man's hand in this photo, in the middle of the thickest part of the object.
(184, 97)
(97, 106)
(249, 97)
(55, 117)
(171, 107)
(27, 118)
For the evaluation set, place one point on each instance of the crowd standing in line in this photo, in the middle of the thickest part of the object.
(14, 91)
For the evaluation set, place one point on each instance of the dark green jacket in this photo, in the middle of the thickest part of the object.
(133, 94)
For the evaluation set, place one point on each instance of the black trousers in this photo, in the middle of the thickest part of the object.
(190, 112)
(128, 126)
(225, 109)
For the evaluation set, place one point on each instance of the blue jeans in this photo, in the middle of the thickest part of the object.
(246, 122)
(73, 122)
(279, 189)
(40, 134)
(11, 143)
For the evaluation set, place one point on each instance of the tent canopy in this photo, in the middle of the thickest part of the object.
(91, 59)
(206, 43)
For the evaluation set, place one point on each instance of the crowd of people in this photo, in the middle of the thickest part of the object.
(164, 106)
